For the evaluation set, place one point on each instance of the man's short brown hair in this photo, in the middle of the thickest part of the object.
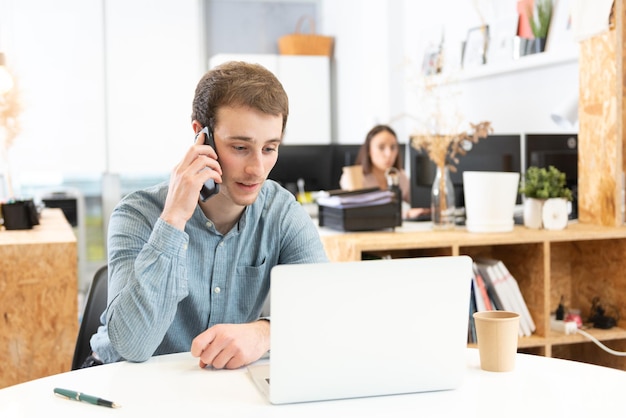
(238, 83)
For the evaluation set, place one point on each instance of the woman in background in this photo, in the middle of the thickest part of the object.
(379, 153)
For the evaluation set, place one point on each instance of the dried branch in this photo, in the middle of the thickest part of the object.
(444, 149)
(10, 109)
(440, 122)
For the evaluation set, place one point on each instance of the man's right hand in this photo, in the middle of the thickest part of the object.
(186, 181)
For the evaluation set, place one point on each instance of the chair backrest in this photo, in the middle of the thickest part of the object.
(96, 304)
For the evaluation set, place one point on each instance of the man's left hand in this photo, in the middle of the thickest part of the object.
(232, 346)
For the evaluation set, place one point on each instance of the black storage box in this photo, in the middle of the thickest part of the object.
(362, 218)
(19, 214)
(64, 201)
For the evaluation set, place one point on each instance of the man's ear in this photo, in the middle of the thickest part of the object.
(196, 126)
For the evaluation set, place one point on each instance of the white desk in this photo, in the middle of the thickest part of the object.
(173, 385)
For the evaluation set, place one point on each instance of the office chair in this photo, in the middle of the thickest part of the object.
(96, 304)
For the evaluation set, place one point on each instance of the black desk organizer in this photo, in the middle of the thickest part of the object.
(362, 218)
(19, 214)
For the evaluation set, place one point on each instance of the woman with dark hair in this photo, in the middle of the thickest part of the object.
(379, 153)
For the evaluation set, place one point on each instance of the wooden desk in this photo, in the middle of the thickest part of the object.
(174, 385)
(580, 263)
(38, 299)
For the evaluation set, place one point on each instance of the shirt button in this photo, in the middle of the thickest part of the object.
(221, 244)
(217, 289)
(209, 224)
(185, 247)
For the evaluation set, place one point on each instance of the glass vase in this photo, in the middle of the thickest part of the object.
(442, 203)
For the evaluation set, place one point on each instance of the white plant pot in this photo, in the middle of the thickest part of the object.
(554, 213)
(533, 213)
(490, 200)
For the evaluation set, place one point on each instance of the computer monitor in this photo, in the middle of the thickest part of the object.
(494, 153)
(310, 163)
(320, 166)
(343, 155)
(560, 151)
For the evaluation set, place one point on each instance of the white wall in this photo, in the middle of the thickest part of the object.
(365, 63)
(135, 116)
(379, 53)
(55, 51)
(107, 85)
(521, 101)
(154, 61)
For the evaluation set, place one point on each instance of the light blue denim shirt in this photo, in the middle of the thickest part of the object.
(167, 286)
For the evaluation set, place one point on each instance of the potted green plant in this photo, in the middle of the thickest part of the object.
(546, 196)
(539, 20)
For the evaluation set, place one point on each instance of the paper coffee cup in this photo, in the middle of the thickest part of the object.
(352, 178)
(497, 333)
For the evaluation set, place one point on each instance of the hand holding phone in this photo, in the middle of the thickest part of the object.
(210, 187)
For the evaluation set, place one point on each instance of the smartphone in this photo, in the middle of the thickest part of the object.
(209, 188)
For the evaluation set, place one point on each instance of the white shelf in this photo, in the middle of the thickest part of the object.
(527, 62)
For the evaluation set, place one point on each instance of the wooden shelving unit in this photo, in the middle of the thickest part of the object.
(581, 262)
(38, 299)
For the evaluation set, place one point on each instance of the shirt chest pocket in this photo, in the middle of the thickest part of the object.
(253, 270)
(252, 284)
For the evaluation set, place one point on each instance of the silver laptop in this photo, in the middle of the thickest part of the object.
(368, 328)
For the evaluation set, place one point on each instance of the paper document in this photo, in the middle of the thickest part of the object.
(378, 197)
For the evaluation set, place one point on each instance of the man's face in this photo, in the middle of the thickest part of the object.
(247, 145)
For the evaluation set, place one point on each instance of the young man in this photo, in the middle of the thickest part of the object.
(193, 275)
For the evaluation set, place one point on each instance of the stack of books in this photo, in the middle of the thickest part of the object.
(494, 288)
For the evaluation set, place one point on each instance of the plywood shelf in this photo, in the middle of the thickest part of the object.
(38, 299)
(615, 333)
(350, 246)
(578, 263)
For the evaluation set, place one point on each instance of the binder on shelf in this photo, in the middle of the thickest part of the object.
(483, 302)
(482, 268)
(509, 295)
(471, 328)
(525, 312)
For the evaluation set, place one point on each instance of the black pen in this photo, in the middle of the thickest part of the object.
(78, 396)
